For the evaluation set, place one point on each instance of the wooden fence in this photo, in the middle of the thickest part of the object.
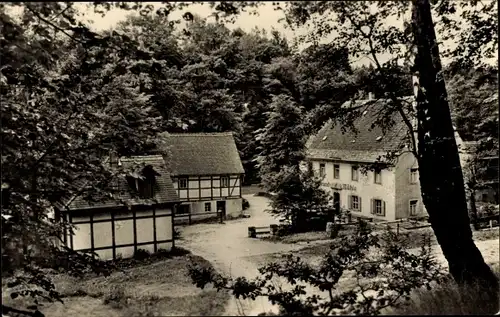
(488, 221)
(190, 218)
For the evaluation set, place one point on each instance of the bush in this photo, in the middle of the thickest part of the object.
(246, 204)
(141, 254)
(177, 234)
(383, 270)
(116, 297)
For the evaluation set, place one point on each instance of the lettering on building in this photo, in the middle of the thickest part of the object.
(339, 186)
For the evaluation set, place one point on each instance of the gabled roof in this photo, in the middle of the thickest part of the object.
(366, 144)
(204, 154)
(164, 190)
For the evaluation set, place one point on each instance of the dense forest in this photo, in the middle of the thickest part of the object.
(208, 78)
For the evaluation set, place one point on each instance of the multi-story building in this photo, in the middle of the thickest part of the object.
(341, 157)
(207, 173)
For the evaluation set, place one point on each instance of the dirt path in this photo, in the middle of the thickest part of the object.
(228, 248)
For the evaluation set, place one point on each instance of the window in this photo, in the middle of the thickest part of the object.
(208, 207)
(183, 183)
(378, 207)
(484, 197)
(377, 176)
(322, 170)
(413, 175)
(183, 209)
(354, 173)
(146, 187)
(336, 171)
(413, 207)
(356, 203)
(224, 181)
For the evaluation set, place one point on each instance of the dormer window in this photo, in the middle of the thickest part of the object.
(144, 184)
(146, 187)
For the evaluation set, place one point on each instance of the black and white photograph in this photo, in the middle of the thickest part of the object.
(249, 158)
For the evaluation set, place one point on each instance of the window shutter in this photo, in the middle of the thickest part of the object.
(359, 203)
(383, 207)
(372, 206)
(350, 201)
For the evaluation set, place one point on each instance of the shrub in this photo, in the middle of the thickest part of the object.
(450, 299)
(177, 234)
(116, 297)
(142, 254)
(384, 273)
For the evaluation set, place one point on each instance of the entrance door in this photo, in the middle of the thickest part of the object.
(221, 208)
(336, 202)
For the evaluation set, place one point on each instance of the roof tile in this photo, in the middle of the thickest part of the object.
(164, 192)
(365, 144)
(204, 154)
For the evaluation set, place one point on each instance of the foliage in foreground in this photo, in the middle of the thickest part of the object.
(450, 299)
(382, 268)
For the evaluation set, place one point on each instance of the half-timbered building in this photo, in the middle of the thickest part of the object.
(207, 173)
(140, 216)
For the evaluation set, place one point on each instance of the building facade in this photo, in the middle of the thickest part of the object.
(139, 217)
(207, 173)
(356, 168)
(482, 166)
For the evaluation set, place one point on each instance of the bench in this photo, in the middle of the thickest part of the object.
(254, 231)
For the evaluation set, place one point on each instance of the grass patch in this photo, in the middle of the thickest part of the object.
(310, 236)
(154, 286)
(486, 234)
(414, 237)
(250, 190)
(450, 299)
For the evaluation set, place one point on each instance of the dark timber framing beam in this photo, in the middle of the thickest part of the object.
(92, 243)
(154, 229)
(134, 219)
(126, 246)
(124, 218)
(113, 238)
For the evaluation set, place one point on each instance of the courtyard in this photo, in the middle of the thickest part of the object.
(229, 249)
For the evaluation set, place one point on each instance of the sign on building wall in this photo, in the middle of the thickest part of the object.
(339, 186)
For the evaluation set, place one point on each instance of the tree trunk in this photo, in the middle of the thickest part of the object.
(441, 178)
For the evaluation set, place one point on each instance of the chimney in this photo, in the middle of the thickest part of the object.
(415, 83)
(370, 96)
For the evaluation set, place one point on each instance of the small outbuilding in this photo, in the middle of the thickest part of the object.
(141, 217)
